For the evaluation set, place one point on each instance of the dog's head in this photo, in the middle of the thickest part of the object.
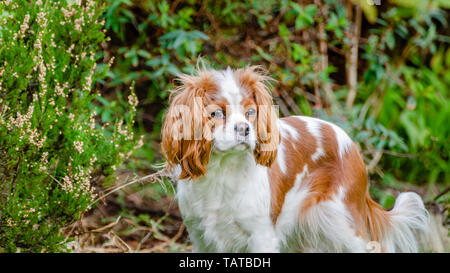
(219, 112)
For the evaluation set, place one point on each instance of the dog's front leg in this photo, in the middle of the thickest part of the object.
(264, 241)
(262, 236)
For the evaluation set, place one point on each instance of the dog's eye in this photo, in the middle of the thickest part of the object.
(250, 112)
(218, 114)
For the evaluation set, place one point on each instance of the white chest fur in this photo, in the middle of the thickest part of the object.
(228, 210)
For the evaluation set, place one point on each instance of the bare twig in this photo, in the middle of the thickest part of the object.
(446, 190)
(117, 241)
(142, 209)
(110, 225)
(390, 153)
(284, 109)
(323, 50)
(352, 57)
(154, 177)
(290, 102)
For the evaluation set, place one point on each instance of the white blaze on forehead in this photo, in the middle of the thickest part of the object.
(229, 88)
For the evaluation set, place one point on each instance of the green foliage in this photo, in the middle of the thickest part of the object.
(408, 81)
(51, 144)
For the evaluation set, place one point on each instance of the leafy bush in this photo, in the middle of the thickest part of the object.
(51, 146)
(407, 83)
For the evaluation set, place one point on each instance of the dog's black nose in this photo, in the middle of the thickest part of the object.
(242, 129)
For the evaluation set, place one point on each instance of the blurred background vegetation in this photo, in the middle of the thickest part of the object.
(380, 70)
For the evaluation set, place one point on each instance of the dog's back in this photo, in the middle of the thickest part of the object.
(320, 175)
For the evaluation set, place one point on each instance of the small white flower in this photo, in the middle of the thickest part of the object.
(79, 146)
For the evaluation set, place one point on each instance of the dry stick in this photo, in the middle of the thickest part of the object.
(316, 90)
(56, 180)
(112, 224)
(323, 51)
(141, 209)
(290, 102)
(100, 250)
(15, 176)
(370, 102)
(117, 241)
(116, 186)
(376, 158)
(284, 96)
(155, 177)
(214, 24)
(446, 190)
(391, 153)
(373, 163)
(168, 241)
(352, 58)
(284, 109)
(310, 97)
(138, 248)
(323, 64)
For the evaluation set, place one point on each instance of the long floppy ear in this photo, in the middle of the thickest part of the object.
(183, 139)
(255, 80)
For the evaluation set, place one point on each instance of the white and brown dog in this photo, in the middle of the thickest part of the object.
(250, 182)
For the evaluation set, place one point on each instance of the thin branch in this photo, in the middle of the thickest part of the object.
(154, 177)
(148, 210)
(290, 102)
(16, 174)
(352, 57)
(446, 190)
(390, 153)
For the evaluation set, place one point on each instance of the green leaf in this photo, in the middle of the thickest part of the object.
(387, 201)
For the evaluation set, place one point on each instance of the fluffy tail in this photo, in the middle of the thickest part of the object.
(401, 229)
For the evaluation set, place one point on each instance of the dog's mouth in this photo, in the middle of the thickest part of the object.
(240, 144)
(242, 140)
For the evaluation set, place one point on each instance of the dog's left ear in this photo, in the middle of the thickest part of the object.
(255, 80)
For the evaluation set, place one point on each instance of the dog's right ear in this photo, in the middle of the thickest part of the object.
(183, 141)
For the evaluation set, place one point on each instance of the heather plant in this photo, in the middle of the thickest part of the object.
(52, 144)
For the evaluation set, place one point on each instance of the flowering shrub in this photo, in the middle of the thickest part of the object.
(51, 146)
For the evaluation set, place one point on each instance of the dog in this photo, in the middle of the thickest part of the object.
(248, 181)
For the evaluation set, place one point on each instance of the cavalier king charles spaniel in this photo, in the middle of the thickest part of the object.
(248, 181)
